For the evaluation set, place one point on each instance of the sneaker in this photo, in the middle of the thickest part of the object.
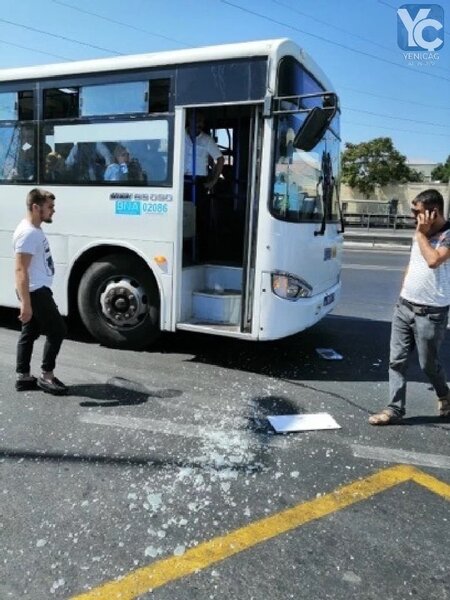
(26, 384)
(55, 386)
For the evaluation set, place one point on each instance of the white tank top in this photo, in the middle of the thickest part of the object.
(427, 286)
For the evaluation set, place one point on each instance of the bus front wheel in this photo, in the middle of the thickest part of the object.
(118, 301)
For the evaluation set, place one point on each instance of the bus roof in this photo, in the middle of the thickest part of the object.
(275, 48)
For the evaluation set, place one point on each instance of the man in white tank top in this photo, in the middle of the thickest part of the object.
(421, 314)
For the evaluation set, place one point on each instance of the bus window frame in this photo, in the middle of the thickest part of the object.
(106, 79)
(14, 87)
(33, 124)
(103, 79)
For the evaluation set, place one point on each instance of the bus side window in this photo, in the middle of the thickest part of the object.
(88, 150)
(17, 153)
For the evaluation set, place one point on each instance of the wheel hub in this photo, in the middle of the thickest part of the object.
(123, 303)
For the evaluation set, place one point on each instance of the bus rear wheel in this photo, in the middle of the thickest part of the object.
(118, 301)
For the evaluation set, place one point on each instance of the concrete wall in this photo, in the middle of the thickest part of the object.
(403, 192)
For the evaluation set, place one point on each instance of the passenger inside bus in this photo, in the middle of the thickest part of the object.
(199, 179)
(87, 161)
(55, 167)
(124, 168)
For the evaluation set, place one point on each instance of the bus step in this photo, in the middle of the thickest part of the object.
(217, 306)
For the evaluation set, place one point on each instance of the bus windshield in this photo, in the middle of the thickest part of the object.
(297, 192)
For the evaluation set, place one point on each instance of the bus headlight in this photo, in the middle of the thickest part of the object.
(289, 287)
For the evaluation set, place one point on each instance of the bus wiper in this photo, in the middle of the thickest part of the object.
(327, 190)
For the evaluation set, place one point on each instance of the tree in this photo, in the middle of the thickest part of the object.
(372, 163)
(442, 171)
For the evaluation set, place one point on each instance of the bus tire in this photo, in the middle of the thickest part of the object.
(118, 301)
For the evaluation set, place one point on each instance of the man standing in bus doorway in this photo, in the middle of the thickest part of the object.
(198, 181)
(34, 270)
(421, 314)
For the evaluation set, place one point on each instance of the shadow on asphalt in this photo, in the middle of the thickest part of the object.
(149, 460)
(363, 343)
(263, 406)
(434, 422)
(118, 392)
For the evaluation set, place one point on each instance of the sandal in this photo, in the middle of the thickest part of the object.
(444, 406)
(385, 417)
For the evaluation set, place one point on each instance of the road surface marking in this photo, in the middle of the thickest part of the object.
(371, 267)
(438, 461)
(164, 571)
(186, 430)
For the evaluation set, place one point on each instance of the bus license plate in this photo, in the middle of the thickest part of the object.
(329, 299)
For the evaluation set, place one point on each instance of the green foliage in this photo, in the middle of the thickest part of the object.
(415, 176)
(373, 163)
(442, 171)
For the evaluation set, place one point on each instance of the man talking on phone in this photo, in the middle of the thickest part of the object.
(421, 314)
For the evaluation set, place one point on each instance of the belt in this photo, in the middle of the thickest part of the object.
(423, 309)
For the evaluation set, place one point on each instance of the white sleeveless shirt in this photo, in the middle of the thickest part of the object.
(424, 285)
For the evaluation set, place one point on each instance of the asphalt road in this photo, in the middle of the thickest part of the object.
(154, 455)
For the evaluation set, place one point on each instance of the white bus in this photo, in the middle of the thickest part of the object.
(125, 251)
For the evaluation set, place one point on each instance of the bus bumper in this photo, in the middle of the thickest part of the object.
(280, 318)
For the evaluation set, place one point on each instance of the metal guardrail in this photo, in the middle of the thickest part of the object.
(371, 213)
(377, 237)
(389, 221)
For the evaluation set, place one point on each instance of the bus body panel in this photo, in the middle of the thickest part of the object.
(316, 259)
(280, 318)
(80, 213)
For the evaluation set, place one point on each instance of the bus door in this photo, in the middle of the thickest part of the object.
(254, 170)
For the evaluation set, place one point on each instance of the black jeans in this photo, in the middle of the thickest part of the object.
(46, 320)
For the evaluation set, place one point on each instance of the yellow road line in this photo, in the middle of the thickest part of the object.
(164, 571)
(434, 485)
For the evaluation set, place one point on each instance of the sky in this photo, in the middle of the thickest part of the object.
(382, 92)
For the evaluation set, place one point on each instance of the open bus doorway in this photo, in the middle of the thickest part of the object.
(222, 239)
(224, 268)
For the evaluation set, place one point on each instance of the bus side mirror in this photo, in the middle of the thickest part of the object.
(313, 129)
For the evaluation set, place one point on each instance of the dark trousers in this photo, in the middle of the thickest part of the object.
(197, 193)
(47, 321)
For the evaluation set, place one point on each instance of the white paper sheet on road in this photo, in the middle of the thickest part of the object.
(329, 354)
(287, 423)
